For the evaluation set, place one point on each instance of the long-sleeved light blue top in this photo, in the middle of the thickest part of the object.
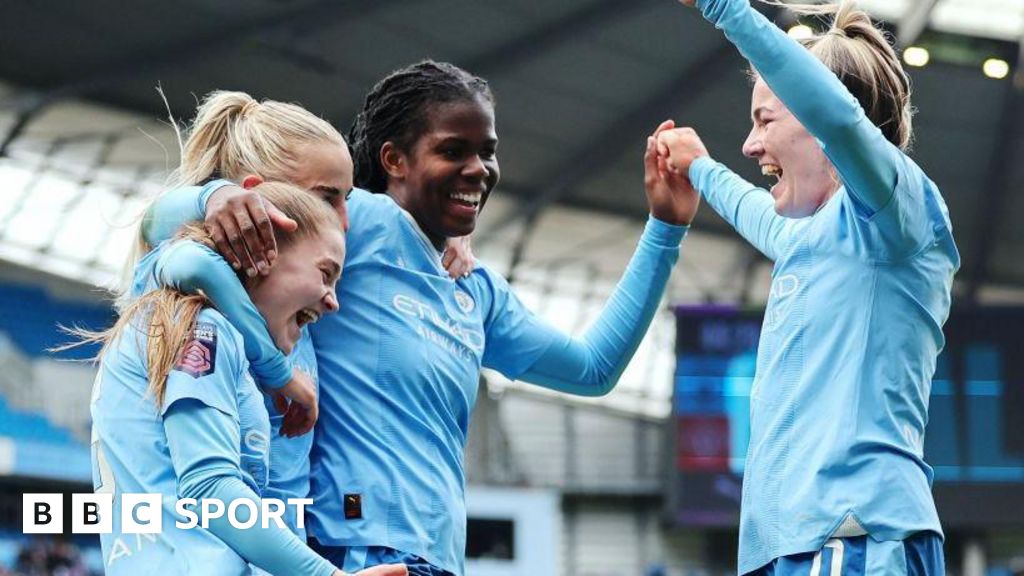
(208, 440)
(853, 325)
(190, 267)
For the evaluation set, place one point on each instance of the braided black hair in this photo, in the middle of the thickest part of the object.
(397, 110)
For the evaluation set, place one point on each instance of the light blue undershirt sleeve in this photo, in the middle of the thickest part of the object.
(592, 365)
(868, 164)
(749, 209)
(191, 267)
(176, 207)
(203, 443)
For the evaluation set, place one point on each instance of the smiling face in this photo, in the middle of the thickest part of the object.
(449, 170)
(300, 286)
(786, 150)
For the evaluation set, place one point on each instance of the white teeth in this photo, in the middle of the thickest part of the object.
(468, 197)
(307, 316)
(771, 170)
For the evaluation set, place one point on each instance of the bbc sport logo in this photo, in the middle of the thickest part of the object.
(143, 513)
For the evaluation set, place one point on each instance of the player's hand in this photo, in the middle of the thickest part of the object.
(670, 195)
(242, 226)
(680, 147)
(297, 401)
(458, 257)
(690, 3)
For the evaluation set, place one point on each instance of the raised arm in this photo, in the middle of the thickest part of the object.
(522, 347)
(749, 209)
(868, 164)
(591, 365)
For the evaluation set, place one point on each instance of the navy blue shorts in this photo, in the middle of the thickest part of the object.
(919, 555)
(355, 558)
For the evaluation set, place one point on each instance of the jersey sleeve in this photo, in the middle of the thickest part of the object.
(872, 169)
(203, 444)
(515, 336)
(192, 267)
(176, 207)
(592, 365)
(749, 209)
(207, 368)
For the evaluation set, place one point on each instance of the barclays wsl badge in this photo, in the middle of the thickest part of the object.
(465, 301)
(199, 355)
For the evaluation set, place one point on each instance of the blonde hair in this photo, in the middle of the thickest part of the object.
(234, 135)
(167, 317)
(861, 56)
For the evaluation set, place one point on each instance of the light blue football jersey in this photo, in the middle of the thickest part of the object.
(853, 324)
(289, 457)
(130, 452)
(399, 369)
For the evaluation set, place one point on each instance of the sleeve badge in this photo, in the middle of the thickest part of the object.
(198, 357)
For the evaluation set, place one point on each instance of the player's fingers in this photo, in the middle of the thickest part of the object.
(220, 240)
(267, 245)
(237, 244)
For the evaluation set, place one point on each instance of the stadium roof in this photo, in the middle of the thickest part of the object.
(996, 19)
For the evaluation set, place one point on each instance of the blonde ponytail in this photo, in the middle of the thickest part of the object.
(234, 135)
(864, 60)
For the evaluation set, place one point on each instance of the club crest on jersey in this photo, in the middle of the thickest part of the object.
(465, 301)
(198, 356)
